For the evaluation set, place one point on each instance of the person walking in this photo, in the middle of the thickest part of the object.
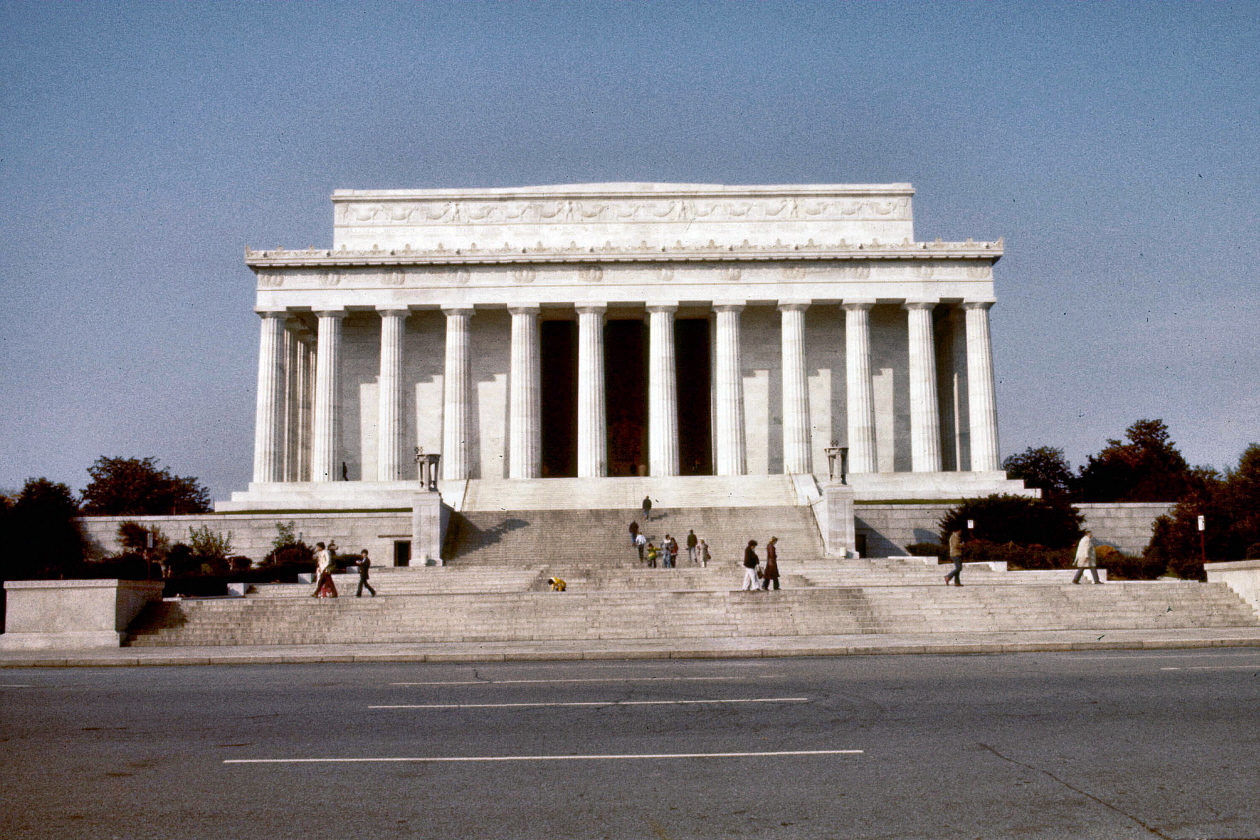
(704, 553)
(324, 565)
(956, 557)
(1086, 558)
(364, 564)
(652, 553)
(672, 548)
(647, 508)
(634, 532)
(770, 575)
(750, 567)
(640, 542)
(693, 543)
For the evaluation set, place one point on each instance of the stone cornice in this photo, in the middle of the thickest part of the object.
(507, 253)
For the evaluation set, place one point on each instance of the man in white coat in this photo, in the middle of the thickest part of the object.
(1086, 558)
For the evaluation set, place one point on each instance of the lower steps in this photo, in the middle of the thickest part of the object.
(611, 614)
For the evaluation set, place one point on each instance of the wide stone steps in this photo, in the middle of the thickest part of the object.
(600, 536)
(627, 492)
(543, 616)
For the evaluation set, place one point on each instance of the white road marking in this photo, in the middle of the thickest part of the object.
(1213, 667)
(1170, 655)
(589, 680)
(595, 703)
(488, 758)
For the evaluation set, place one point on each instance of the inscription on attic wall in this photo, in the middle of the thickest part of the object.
(424, 213)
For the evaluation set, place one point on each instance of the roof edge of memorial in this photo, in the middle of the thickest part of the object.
(628, 189)
(509, 253)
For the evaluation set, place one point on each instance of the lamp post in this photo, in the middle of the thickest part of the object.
(1202, 541)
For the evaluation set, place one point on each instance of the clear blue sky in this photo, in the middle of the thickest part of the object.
(143, 145)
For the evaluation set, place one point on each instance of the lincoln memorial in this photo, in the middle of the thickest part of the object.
(620, 336)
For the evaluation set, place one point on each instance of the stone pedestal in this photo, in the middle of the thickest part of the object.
(839, 533)
(73, 614)
(426, 529)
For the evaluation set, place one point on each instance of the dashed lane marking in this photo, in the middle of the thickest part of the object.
(590, 680)
(502, 758)
(594, 703)
(1251, 667)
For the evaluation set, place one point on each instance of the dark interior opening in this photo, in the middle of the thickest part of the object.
(695, 431)
(625, 389)
(558, 382)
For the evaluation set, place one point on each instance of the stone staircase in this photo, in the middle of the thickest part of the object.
(625, 601)
(599, 537)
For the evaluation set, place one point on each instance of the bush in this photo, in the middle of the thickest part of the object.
(1253, 552)
(1017, 556)
(203, 586)
(1003, 518)
(928, 549)
(1127, 567)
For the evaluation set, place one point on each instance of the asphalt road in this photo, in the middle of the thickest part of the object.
(1094, 745)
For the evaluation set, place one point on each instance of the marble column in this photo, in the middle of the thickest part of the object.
(457, 395)
(525, 396)
(592, 453)
(293, 353)
(326, 436)
(269, 430)
(729, 392)
(391, 402)
(925, 420)
(306, 405)
(662, 392)
(860, 391)
(796, 448)
(981, 394)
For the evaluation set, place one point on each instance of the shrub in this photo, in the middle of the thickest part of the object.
(1127, 567)
(1004, 518)
(1253, 552)
(928, 549)
(1017, 556)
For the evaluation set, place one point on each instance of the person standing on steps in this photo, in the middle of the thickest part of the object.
(640, 543)
(692, 544)
(364, 564)
(704, 554)
(634, 532)
(651, 555)
(673, 553)
(324, 565)
(750, 567)
(770, 576)
(956, 557)
(647, 508)
(1086, 558)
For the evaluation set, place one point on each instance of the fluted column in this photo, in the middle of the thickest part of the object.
(457, 395)
(860, 391)
(925, 419)
(389, 430)
(981, 394)
(662, 392)
(796, 449)
(326, 436)
(293, 352)
(306, 405)
(729, 392)
(269, 431)
(592, 453)
(525, 396)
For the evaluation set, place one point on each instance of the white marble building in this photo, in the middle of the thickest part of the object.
(606, 330)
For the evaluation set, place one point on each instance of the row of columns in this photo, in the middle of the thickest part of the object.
(285, 361)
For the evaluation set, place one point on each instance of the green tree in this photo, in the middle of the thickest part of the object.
(40, 535)
(1042, 467)
(210, 549)
(1148, 468)
(140, 487)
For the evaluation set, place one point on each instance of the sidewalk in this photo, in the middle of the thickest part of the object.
(734, 648)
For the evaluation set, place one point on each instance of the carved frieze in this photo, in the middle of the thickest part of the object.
(329, 279)
(270, 279)
(591, 274)
(619, 212)
(394, 278)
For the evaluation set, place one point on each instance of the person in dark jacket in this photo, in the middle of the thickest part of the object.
(770, 575)
(750, 567)
(364, 564)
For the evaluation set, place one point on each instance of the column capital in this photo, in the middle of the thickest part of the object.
(272, 313)
(662, 307)
(591, 308)
(729, 305)
(459, 309)
(525, 309)
(977, 304)
(392, 309)
(919, 305)
(330, 313)
(793, 305)
(857, 304)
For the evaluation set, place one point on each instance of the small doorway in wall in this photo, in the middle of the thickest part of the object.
(402, 552)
